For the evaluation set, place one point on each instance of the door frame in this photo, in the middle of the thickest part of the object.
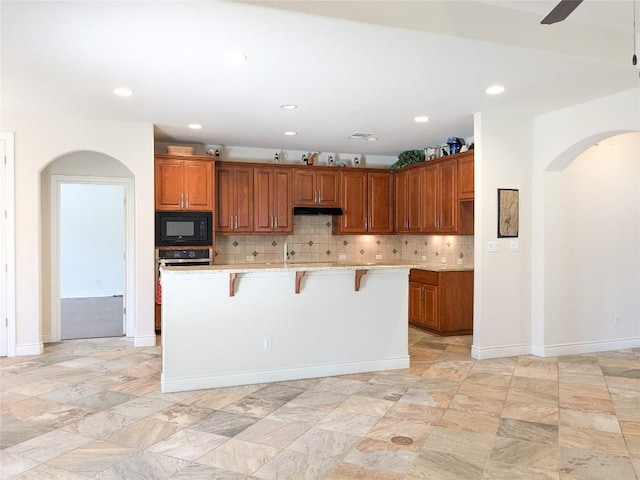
(7, 246)
(129, 244)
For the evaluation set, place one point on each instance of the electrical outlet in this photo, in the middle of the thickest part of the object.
(424, 258)
(249, 258)
(378, 257)
(342, 256)
(267, 343)
(514, 246)
(459, 261)
(443, 259)
(493, 247)
(616, 320)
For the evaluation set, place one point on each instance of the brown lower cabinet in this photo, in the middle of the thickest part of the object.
(441, 302)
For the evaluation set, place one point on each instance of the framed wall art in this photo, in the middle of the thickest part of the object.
(508, 210)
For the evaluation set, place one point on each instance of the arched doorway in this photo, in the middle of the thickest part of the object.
(591, 257)
(85, 177)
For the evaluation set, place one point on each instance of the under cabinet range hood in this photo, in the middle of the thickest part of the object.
(317, 211)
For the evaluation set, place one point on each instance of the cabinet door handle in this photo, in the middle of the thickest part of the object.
(276, 220)
(231, 222)
(187, 199)
(236, 222)
(271, 223)
(182, 200)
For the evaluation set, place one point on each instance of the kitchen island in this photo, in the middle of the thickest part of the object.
(244, 324)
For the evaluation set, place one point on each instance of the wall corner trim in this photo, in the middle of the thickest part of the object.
(499, 352)
(29, 349)
(144, 341)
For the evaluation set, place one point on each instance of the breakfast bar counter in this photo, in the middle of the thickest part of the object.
(242, 324)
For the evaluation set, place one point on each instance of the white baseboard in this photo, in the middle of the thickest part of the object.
(278, 375)
(584, 347)
(499, 352)
(555, 350)
(29, 349)
(144, 341)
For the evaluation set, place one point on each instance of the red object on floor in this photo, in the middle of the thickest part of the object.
(159, 292)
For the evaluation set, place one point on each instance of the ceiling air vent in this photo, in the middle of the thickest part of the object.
(360, 135)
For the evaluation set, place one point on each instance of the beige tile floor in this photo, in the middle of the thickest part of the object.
(93, 409)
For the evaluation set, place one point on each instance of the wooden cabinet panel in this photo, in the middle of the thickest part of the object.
(183, 184)
(447, 197)
(198, 185)
(272, 211)
(440, 208)
(328, 188)
(441, 302)
(354, 203)
(430, 307)
(283, 201)
(430, 202)
(409, 200)
(243, 200)
(465, 176)
(380, 202)
(225, 208)
(416, 303)
(234, 194)
(169, 178)
(305, 191)
(367, 202)
(313, 186)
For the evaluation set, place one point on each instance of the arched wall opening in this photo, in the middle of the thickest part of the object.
(80, 167)
(591, 245)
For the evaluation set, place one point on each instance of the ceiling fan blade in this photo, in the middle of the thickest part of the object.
(561, 11)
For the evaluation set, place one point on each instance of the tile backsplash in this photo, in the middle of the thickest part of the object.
(312, 241)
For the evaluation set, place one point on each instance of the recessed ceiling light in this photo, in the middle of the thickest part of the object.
(234, 57)
(288, 106)
(123, 92)
(195, 126)
(290, 133)
(371, 139)
(421, 119)
(495, 90)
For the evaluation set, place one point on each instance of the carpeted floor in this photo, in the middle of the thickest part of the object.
(91, 317)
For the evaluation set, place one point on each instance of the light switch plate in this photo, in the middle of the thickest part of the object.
(378, 257)
(249, 258)
(443, 260)
(514, 246)
(493, 247)
(342, 256)
(424, 257)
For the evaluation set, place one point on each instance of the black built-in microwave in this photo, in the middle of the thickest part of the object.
(174, 229)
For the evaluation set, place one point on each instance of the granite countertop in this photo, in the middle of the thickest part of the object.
(318, 266)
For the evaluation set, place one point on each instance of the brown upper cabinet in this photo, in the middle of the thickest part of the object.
(441, 197)
(316, 186)
(272, 200)
(183, 184)
(367, 202)
(234, 199)
(409, 199)
(465, 176)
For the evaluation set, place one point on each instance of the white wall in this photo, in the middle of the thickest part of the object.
(92, 242)
(501, 286)
(40, 140)
(592, 233)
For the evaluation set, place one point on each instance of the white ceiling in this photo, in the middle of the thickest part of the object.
(351, 66)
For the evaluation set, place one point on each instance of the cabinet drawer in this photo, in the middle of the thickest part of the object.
(423, 276)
